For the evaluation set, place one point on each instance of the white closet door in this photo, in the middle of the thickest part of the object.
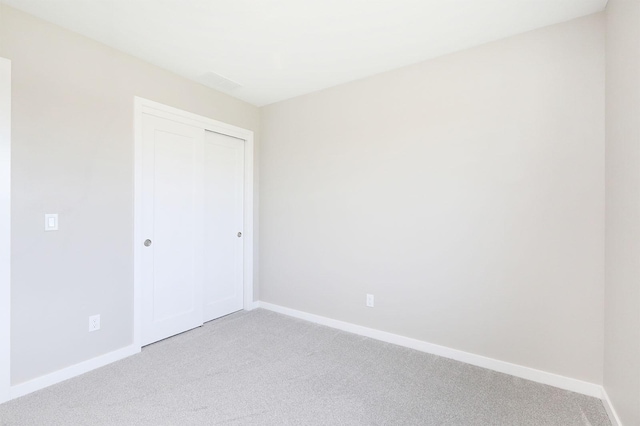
(173, 220)
(224, 186)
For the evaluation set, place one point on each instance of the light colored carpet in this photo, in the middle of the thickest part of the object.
(261, 368)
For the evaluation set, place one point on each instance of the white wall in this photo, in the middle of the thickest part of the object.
(73, 155)
(466, 193)
(5, 224)
(622, 290)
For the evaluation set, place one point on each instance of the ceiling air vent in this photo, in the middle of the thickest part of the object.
(216, 81)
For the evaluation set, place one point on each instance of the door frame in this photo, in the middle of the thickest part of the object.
(144, 106)
(5, 230)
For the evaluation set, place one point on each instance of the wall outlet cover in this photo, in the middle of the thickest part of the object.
(94, 322)
(370, 300)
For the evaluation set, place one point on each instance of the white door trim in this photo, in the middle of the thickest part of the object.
(145, 106)
(5, 229)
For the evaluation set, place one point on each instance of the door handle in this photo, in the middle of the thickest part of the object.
(147, 242)
(239, 234)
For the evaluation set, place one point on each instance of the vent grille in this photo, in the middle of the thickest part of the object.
(216, 81)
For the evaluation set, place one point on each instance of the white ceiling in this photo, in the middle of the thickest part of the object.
(278, 49)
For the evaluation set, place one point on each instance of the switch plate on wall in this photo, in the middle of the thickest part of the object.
(51, 222)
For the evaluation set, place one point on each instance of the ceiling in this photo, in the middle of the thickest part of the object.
(264, 51)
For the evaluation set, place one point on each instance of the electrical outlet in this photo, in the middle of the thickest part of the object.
(370, 300)
(94, 322)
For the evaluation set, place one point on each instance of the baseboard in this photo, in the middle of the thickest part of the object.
(71, 371)
(562, 382)
(611, 411)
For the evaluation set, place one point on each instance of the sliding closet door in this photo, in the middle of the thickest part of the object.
(173, 222)
(192, 263)
(224, 186)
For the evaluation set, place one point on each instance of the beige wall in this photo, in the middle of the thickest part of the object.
(622, 290)
(466, 193)
(73, 155)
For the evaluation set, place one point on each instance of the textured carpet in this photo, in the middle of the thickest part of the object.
(261, 368)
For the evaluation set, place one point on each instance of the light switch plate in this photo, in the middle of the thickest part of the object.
(51, 222)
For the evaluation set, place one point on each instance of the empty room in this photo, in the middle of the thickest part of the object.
(298, 212)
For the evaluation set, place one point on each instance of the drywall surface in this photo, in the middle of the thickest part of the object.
(73, 155)
(622, 264)
(466, 193)
(5, 225)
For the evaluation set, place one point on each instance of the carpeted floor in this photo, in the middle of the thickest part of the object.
(262, 368)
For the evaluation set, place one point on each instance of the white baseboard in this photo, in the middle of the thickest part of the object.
(613, 415)
(71, 371)
(562, 382)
